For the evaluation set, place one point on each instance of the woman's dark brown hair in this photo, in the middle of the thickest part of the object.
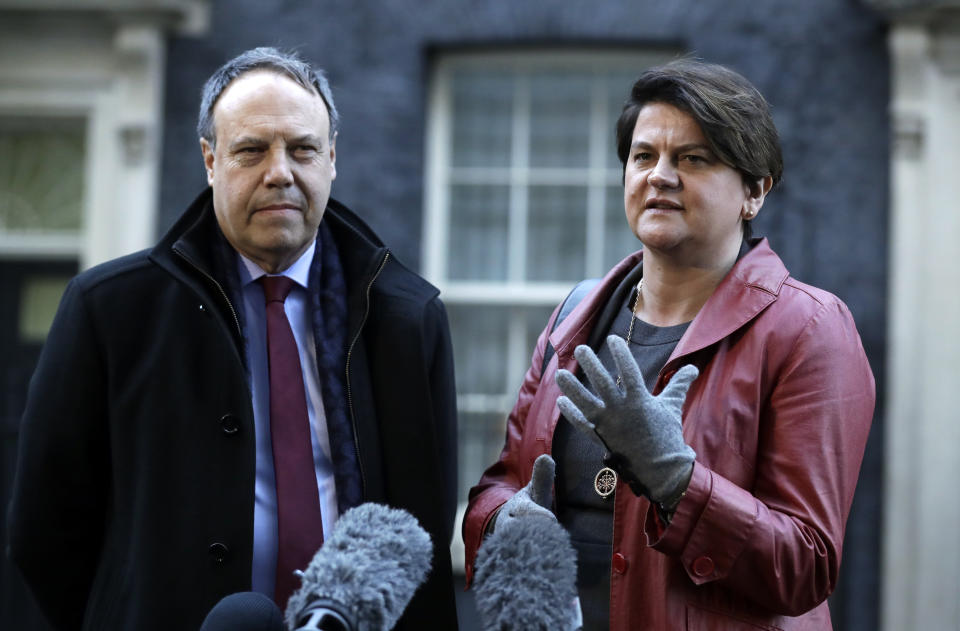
(734, 116)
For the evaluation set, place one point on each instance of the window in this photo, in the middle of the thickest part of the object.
(42, 162)
(524, 199)
(42, 169)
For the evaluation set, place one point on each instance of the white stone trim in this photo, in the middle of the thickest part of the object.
(921, 549)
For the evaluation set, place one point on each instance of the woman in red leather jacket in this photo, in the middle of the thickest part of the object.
(707, 412)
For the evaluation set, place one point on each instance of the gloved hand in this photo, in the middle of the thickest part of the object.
(642, 432)
(533, 500)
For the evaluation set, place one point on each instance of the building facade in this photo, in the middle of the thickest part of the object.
(477, 139)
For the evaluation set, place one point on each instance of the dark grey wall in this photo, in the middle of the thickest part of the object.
(821, 63)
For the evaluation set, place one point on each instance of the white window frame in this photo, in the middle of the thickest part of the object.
(439, 175)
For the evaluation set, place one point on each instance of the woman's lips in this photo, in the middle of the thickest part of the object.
(662, 204)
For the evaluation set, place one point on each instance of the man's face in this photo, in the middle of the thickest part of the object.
(271, 168)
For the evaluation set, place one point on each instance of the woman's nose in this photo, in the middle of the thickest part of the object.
(664, 174)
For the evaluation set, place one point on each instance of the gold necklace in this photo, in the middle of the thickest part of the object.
(633, 318)
(605, 482)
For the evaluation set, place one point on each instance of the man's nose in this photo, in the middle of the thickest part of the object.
(278, 173)
(664, 174)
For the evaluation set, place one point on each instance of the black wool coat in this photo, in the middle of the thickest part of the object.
(133, 499)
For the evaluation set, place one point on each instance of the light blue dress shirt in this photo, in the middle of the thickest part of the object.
(265, 505)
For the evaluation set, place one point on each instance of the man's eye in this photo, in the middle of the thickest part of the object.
(642, 156)
(693, 158)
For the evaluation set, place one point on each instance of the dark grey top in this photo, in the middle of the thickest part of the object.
(587, 516)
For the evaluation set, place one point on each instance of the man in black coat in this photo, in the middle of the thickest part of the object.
(144, 489)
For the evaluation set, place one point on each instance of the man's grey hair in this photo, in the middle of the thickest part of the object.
(264, 58)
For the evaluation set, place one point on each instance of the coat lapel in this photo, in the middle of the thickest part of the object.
(751, 286)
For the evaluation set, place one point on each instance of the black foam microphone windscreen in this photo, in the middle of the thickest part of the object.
(244, 611)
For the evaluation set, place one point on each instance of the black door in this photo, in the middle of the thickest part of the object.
(29, 292)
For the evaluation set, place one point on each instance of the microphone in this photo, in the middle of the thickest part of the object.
(365, 574)
(526, 578)
(244, 611)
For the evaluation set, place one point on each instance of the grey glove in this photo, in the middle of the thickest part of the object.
(533, 500)
(642, 432)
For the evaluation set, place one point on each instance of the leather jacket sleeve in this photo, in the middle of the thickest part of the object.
(779, 542)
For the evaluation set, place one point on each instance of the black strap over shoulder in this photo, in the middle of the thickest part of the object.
(578, 293)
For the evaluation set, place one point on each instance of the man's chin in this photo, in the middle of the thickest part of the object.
(275, 253)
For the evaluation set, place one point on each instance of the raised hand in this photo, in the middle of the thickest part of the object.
(642, 432)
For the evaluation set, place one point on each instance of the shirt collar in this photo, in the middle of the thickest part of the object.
(299, 272)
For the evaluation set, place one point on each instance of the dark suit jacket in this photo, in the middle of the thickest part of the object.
(133, 500)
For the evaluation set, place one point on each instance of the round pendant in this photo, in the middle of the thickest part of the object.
(605, 483)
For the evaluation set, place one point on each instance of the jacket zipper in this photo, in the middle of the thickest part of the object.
(353, 419)
(223, 294)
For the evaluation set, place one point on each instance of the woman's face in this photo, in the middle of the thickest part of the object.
(680, 199)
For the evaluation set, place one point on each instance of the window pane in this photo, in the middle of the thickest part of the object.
(482, 121)
(560, 120)
(480, 351)
(482, 425)
(619, 240)
(39, 299)
(41, 174)
(480, 441)
(478, 232)
(556, 238)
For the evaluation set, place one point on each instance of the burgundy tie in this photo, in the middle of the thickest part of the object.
(299, 526)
